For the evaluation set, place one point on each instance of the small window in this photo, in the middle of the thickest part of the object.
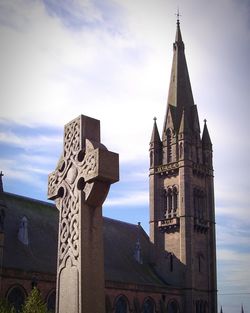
(148, 306)
(16, 297)
(175, 201)
(121, 305)
(169, 146)
(173, 307)
(23, 231)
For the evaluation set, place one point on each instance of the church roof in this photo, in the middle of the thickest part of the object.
(40, 254)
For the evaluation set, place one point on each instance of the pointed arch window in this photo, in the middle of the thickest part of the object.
(201, 306)
(16, 297)
(175, 201)
(171, 202)
(23, 231)
(121, 305)
(169, 145)
(148, 306)
(199, 204)
(173, 307)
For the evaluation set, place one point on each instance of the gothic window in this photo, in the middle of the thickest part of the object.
(175, 201)
(181, 150)
(169, 145)
(173, 307)
(199, 204)
(148, 306)
(51, 301)
(169, 203)
(121, 305)
(16, 297)
(200, 259)
(151, 158)
(23, 231)
(201, 306)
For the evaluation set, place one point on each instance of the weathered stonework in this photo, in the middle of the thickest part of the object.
(182, 217)
(79, 186)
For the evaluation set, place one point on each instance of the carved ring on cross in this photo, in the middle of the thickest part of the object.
(87, 170)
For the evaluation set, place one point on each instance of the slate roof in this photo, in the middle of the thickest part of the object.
(40, 254)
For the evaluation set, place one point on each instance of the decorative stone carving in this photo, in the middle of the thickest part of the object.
(79, 186)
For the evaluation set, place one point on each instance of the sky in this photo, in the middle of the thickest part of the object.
(111, 60)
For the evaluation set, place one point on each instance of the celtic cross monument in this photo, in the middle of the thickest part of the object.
(79, 186)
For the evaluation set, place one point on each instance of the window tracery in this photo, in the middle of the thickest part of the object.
(171, 209)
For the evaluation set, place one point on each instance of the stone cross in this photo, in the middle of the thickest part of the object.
(79, 186)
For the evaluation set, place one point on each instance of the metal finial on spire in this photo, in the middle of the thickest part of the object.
(155, 119)
(205, 121)
(178, 16)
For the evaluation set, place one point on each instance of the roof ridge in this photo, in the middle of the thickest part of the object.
(29, 198)
(115, 220)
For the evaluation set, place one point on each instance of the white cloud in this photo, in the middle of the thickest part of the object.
(132, 199)
(30, 142)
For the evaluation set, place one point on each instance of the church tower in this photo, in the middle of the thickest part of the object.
(182, 215)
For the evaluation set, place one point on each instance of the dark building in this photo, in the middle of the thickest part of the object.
(174, 269)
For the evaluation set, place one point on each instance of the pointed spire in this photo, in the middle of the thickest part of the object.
(1, 181)
(178, 37)
(221, 311)
(184, 125)
(206, 141)
(180, 92)
(242, 310)
(155, 137)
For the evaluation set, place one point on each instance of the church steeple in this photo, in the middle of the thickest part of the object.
(180, 92)
(182, 217)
